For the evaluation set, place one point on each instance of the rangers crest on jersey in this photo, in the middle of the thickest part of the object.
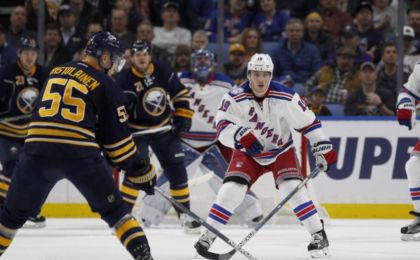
(237, 90)
(26, 98)
(154, 101)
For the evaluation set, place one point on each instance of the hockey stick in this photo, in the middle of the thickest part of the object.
(153, 130)
(204, 223)
(14, 118)
(228, 255)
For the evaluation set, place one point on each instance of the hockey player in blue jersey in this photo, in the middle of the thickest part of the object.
(80, 114)
(151, 89)
(20, 84)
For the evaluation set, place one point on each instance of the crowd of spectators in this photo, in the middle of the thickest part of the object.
(330, 51)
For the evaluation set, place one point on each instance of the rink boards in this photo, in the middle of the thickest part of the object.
(369, 180)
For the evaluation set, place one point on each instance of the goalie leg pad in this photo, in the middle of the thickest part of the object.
(302, 205)
(412, 167)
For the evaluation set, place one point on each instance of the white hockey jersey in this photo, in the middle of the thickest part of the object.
(411, 88)
(271, 121)
(205, 102)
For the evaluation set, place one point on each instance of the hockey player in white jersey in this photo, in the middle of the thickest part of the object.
(204, 155)
(256, 120)
(408, 98)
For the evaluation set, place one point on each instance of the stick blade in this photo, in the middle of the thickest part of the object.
(214, 256)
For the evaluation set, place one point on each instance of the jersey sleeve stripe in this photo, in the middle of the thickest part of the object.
(121, 150)
(123, 158)
(63, 126)
(119, 143)
(183, 93)
(61, 141)
(221, 125)
(315, 125)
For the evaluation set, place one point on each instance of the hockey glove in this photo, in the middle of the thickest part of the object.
(406, 113)
(182, 120)
(143, 178)
(324, 154)
(245, 138)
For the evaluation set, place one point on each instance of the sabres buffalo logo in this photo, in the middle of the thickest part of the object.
(26, 98)
(154, 101)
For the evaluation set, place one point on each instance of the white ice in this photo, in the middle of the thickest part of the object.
(83, 239)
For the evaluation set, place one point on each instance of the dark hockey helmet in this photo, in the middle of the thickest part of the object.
(105, 41)
(202, 62)
(27, 43)
(141, 46)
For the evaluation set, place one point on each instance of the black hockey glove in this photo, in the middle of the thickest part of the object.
(182, 120)
(143, 178)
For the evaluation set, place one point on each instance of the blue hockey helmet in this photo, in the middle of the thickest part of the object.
(27, 43)
(105, 41)
(141, 46)
(202, 61)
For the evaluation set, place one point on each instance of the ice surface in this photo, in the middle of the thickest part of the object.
(83, 239)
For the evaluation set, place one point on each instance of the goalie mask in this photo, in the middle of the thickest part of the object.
(202, 62)
(260, 73)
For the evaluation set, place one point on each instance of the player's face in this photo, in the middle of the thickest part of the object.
(259, 82)
(28, 58)
(203, 60)
(141, 60)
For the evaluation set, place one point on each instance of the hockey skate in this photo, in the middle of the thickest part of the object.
(142, 252)
(35, 222)
(190, 225)
(318, 247)
(205, 241)
(411, 232)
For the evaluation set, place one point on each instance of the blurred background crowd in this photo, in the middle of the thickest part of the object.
(341, 55)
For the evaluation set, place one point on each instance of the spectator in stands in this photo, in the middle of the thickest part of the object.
(414, 21)
(315, 35)
(387, 72)
(53, 6)
(295, 57)
(411, 53)
(7, 52)
(334, 19)
(297, 8)
(145, 33)
(55, 53)
(236, 67)
(142, 8)
(133, 17)
(85, 13)
(119, 28)
(371, 39)
(350, 39)
(316, 102)
(170, 34)
(385, 17)
(237, 18)
(31, 7)
(182, 59)
(251, 40)
(200, 40)
(368, 100)
(201, 10)
(270, 22)
(92, 28)
(71, 37)
(17, 27)
(337, 80)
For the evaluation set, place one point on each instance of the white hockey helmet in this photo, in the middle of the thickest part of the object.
(260, 62)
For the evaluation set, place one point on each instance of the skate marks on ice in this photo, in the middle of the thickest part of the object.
(86, 239)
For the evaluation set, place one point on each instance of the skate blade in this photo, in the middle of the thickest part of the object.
(33, 225)
(410, 237)
(321, 253)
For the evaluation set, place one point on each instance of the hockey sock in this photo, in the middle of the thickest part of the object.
(130, 234)
(4, 187)
(6, 237)
(412, 167)
(181, 193)
(302, 205)
(129, 193)
(228, 199)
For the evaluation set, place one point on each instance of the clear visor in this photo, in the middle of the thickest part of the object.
(118, 62)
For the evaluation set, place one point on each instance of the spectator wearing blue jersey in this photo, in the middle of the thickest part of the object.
(295, 57)
(237, 18)
(270, 22)
(7, 52)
